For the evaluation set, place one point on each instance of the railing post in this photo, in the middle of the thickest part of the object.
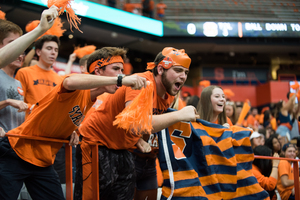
(296, 178)
(69, 177)
(95, 171)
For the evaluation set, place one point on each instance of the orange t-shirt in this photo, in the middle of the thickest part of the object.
(127, 68)
(160, 8)
(56, 115)
(97, 103)
(267, 183)
(228, 121)
(37, 82)
(285, 168)
(99, 126)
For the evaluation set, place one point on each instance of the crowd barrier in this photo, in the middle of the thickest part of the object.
(295, 169)
(95, 163)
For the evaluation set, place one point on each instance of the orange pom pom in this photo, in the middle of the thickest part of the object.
(204, 83)
(80, 52)
(295, 86)
(2, 15)
(244, 112)
(71, 16)
(137, 117)
(32, 25)
(56, 28)
(228, 92)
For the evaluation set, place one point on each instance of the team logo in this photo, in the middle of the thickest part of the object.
(76, 115)
(167, 62)
(20, 91)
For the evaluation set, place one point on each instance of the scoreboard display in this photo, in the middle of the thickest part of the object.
(231, 29)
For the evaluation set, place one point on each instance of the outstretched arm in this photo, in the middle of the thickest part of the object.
(11, 51)
(87, 81)
(160, 122)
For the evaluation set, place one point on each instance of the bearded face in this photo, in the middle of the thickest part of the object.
(174, 78)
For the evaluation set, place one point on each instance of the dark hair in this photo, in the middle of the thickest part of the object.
(46, 38)
(7, 27)
(205, 108)
(193, 100)
(264, 165)
(105, 52)
(269, 143)
(159, 57)
(267, 118)
(277, 110)
(262, 131)
(83, 60)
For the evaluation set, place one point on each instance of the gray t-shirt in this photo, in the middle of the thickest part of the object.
(10, 88)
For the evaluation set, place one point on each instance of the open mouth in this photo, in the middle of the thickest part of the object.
(178, 85)
(220, 105)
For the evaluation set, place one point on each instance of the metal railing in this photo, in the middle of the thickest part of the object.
(295, 170)
(95, 163)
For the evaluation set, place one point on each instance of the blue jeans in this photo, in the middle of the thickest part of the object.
(41, 182)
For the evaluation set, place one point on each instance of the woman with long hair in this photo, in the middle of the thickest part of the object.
(273, 143)
(265, 171)
(211, 106)
(231, 111)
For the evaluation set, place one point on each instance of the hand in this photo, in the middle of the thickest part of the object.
(21, 105)
(2, 132)
(143, 146)
(226, 125)
(135, 82)
(47, 18)
(188, 113)
(74, 139)
(275, 162)
(72, 57)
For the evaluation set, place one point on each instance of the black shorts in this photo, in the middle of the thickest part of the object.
(116, 174)
(145, 168)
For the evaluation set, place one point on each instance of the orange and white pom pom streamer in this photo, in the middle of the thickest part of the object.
(137, 117)
(71, 16)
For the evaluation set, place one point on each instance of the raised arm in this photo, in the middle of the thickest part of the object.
(71, 60)
(11, 51)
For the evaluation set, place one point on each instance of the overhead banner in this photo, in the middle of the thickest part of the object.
(232, 29)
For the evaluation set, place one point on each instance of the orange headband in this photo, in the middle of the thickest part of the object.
(105, 61)
(178, 58)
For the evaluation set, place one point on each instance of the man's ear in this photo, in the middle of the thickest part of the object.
(38, 52)
(160, 69)
(99, 71)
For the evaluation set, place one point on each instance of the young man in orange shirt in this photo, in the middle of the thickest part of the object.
(57, 115)
(39, 79)
(116, 163)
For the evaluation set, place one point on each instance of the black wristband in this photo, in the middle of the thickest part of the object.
(119, 81)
